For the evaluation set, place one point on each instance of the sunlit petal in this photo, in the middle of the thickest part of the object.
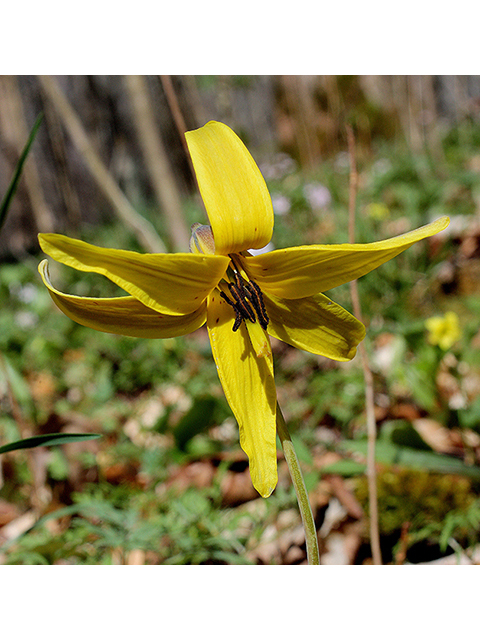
(173, 284)
(250, 391)
(125, 316)
(315, 324)
(236, 197)
(299, 272)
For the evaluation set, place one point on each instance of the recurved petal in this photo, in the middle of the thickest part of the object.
(173, 284)
(299, 272)
(125, 316)
(315, 324)
(250, 391)
(234, 192)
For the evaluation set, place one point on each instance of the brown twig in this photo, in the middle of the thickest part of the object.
(144, 231)
(65, 185)
(177, 114)
(367, 373)
(157, 161)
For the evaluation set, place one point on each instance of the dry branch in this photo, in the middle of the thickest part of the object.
(367, 373)
(143, 230)
(157, 162)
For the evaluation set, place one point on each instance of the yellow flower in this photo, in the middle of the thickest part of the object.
(243, 299)
(378, 211)
(443, 330)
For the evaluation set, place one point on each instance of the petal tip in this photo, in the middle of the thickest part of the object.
(267, 492)
(43, 270)
(266, 483)
(442, 223)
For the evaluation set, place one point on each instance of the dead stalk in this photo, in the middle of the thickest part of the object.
(157, 161)
(143, 230)
(367, 373)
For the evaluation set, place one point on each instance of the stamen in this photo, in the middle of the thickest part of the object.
(241, 301)
(254, 294)
(238, 313)
(246, 294)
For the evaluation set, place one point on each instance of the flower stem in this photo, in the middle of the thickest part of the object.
(313, 556)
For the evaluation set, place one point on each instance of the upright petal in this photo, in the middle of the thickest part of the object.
(250, 391)
(174, 284)
(236, 197)
(125, 316)
(315, 324)
(299, 272)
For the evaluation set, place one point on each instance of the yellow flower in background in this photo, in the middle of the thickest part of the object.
(444, 331)
(243, 299)
(377, 211)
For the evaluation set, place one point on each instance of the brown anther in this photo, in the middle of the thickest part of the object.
(245, 296)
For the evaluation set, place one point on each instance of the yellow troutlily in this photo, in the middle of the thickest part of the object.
(444, 330)
(242, 298)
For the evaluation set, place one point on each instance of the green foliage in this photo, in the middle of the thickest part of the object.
(408, 457)
(108, 525)
(433, 507)
(339, 393)
(459, 524)
(198, 419)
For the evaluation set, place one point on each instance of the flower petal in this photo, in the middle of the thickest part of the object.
(315, 324)
(125, 316)
(173, 284)
(299, 272)
(236, 197)
(250, 391)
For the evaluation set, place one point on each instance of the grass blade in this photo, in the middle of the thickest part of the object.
(18, 171)
(48, 440)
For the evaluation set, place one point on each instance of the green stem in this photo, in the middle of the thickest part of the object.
(313, 556)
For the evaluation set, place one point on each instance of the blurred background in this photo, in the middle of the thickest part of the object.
(168, 481)
(134, 127)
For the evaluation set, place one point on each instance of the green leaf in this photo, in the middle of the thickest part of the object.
(344, 468)
(303, 452)
(196, 420)
(5, 205)
(20, 389)
(389, 453)
(403, 434)
(48, 440)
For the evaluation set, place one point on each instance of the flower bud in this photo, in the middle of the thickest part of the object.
(201, 240)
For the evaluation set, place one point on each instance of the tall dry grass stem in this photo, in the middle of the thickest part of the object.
(157, 162)
(367, 373)
(143, 230)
